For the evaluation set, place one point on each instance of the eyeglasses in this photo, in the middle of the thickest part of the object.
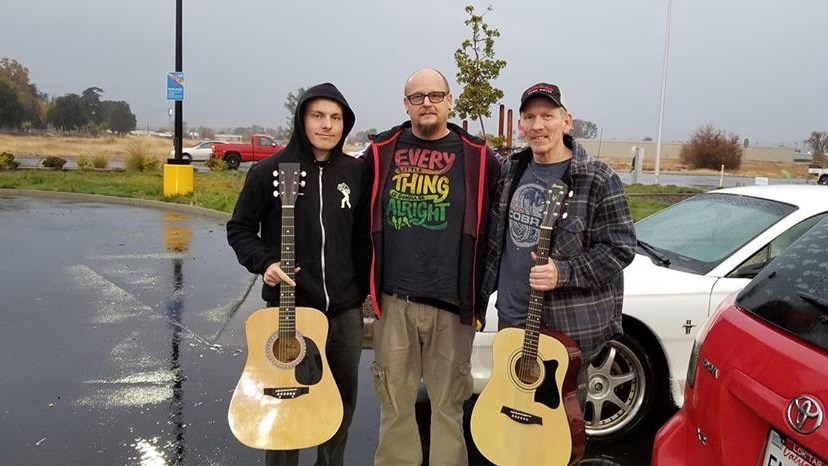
(433, 97)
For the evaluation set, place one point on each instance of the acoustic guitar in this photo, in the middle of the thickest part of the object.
(286, 398)
(528, 412)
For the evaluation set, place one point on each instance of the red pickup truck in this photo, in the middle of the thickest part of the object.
(261, 147)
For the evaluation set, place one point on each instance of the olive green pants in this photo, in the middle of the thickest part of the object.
(414, 342)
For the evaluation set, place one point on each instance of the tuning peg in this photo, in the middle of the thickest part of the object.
(275, 193)
(275, 173)
(275, 183)
(302, 183)
(564, 215)
(571, 193)
(303, 173)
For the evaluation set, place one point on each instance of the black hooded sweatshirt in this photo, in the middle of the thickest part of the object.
(332, 244)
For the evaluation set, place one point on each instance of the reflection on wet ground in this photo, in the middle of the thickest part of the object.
(121, 340)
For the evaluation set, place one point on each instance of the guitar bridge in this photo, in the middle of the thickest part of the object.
(286, 393)
(520, 417)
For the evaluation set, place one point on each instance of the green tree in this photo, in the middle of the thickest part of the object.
(32, 102)
(11, 112)
(68, 113)
(118, 116)
(476, 69)
(582, 129)
(818, 141)
(91, 98)
(291, 101)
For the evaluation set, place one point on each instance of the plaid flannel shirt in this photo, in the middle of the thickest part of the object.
(590, 248)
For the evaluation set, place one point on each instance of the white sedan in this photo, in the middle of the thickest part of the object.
(197, 153)
(690, 257)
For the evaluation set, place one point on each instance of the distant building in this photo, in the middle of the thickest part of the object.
(229, 137)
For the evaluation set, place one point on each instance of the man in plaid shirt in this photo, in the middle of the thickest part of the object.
(583, 283)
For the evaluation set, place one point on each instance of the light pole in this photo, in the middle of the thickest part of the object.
(178, 67)
(178, 173)
(663, 90)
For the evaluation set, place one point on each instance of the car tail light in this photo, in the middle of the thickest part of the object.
(693, 366)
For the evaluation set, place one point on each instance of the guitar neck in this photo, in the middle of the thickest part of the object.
(287, 294)
(533, 320)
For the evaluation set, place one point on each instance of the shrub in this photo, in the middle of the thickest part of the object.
(216, 165)
(84, 162)
(712, 148)
(100, 160)
(139, 157)
(53, 162)
(7, 161)
(94, 160)
(151, 163)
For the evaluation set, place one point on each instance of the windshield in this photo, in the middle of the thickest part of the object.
(699, 233)
(792, 291)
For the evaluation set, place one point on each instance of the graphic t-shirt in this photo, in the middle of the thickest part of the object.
(423, 217)
(525, 216)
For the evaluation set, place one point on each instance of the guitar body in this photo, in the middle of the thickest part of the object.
(531, 417)
(286, 398)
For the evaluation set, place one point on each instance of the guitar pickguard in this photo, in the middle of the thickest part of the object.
(547, 393)
(309, 370)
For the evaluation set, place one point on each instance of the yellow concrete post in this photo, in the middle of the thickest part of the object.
(178, 179)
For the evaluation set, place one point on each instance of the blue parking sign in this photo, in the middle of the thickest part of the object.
(175, 85)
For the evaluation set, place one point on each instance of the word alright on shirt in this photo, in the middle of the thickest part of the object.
(420, 189)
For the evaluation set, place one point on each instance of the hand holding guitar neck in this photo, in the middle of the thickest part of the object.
(544, 275)
(274, 275)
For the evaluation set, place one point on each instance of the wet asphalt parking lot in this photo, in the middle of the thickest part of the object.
(121, 341)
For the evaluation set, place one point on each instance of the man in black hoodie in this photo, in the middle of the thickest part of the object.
(331, 244)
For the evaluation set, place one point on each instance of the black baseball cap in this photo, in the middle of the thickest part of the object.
(550, 91)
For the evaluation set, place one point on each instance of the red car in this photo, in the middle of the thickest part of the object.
(757, 384)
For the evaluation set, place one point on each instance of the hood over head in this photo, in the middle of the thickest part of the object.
(299, 140)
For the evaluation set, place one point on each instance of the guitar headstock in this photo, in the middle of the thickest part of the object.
(557, 200)
(288, 183)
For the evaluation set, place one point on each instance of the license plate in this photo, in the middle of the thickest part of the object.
(782, 451)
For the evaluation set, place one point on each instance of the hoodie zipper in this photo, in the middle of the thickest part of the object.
(322, 255)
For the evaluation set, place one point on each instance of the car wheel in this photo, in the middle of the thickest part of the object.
(187, 156)
(621, 385)
(823, 180)
(233, 161)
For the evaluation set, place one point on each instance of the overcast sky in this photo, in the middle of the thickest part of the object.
(754, 67)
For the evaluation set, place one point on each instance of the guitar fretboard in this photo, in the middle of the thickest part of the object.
(287, 294)
(530, 340)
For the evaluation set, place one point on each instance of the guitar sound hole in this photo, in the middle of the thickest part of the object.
(527, 370)
(286, 349)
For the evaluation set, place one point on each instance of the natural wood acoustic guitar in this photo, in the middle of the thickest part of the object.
(286, 398)
(528, 412)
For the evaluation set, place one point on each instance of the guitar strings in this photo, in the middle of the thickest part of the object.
(530, 342)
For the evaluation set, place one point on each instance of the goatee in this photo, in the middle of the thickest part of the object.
(428, 130)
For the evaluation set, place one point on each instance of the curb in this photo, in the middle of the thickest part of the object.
(214, 214)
